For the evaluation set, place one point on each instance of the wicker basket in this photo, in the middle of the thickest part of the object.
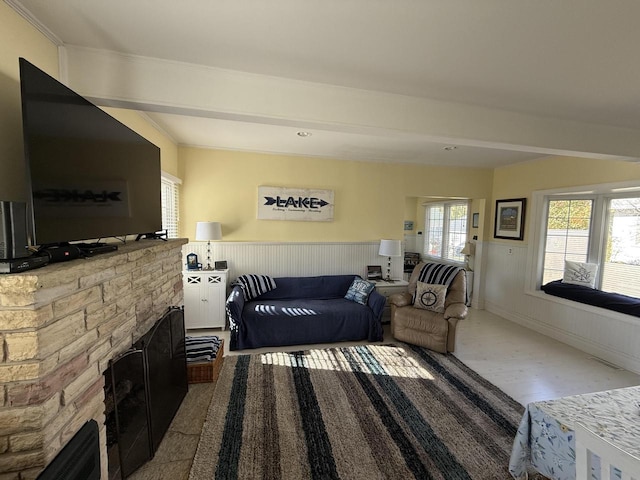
(206, 372)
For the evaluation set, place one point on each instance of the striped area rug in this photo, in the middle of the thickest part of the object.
(363, 412)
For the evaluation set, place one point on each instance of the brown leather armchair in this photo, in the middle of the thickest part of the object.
(432, 330)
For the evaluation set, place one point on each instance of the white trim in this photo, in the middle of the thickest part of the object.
(29, 17)
(446, 205)
(170, 177)
(155, 125)
(628, 186)
(216, 93)
(63, 65)
(536, 223)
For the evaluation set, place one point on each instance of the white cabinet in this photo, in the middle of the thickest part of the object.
(205, 293)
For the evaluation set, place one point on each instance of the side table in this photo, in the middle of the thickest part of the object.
(389, 288)
(205, 292)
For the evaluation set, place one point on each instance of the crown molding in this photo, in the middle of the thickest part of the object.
(29, 17)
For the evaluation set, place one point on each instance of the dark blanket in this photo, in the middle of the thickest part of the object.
(303, 310)
(590, 296)
(270, 323)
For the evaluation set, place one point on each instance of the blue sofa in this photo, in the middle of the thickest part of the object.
(303, 310)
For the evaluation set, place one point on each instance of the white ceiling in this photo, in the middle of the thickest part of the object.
(572, 59)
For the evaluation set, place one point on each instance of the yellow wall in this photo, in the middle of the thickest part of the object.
(370, 198)
(135, 121)
(520, 180)
(410, 211)
(17, 39)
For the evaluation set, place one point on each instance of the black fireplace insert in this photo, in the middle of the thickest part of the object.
(79, 459)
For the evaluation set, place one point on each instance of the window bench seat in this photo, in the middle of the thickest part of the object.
(578, 293)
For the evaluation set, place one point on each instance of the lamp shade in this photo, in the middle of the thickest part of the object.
(208, 231)
(469, 249)
(390, 248)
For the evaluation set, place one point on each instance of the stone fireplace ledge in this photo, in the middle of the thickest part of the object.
(59, 327)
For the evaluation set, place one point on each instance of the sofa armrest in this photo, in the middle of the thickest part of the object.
(376, 303)
(234, 307)
(400, 299)
(456, 310)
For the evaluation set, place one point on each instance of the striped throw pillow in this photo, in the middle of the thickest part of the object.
(254, 285)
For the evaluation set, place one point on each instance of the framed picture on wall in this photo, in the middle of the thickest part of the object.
(476, 220)
(374, 272)
(510, 219)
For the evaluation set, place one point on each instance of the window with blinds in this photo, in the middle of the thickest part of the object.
(445, 230)
(602, 229)
(170, 204)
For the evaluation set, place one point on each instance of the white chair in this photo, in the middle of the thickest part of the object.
(589, 443)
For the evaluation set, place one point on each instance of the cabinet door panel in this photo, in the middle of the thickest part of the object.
(204, 299)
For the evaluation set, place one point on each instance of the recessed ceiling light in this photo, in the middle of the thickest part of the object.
(303, 134)
(448, 148)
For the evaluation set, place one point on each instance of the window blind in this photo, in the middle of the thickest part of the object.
(170, 204)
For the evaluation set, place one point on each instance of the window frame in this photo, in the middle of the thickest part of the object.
(446, 205)
(601, 194)
(173, 210)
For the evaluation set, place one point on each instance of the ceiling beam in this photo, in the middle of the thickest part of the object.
(152, 84)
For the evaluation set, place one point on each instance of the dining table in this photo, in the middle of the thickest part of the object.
(545, 440)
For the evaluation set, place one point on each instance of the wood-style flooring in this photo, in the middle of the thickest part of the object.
(526, 365)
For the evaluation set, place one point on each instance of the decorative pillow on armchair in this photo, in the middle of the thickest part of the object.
(359, 291)
(430, 297)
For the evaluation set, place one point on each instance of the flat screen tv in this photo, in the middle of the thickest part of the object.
(88, 175)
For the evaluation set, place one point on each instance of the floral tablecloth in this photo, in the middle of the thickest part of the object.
(545, 438)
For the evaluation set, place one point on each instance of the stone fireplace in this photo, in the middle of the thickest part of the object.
(59, 327)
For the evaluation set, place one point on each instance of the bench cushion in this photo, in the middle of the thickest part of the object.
(578, 293)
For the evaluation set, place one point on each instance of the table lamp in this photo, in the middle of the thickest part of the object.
(208, 231)
(390, 248)
(468, 250)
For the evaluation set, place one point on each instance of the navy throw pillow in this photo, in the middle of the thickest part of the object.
(359, 291)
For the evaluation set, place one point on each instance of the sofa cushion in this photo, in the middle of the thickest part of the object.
(430, 297)
(321, 287)
(359, 291)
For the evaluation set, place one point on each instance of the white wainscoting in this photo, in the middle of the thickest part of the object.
(295, 259)
(605, 334)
